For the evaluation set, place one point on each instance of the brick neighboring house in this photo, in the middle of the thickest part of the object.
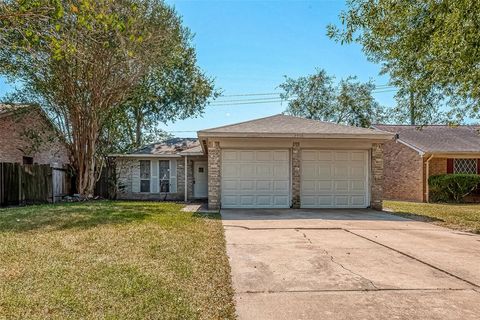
(420, 152)
(274, 162)
(27, 136)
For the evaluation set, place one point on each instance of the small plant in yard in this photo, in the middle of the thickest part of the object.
(452, 187)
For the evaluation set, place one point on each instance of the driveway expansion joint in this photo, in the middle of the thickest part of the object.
(355, 290)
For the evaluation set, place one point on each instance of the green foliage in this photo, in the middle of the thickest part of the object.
(452, 187)
(429, 48)
(99, 68)
(317, 97)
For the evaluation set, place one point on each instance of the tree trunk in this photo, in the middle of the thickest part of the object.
(412, 108)
(138, 127)
(84, 152)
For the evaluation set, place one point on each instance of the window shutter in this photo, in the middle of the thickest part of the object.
(449, 165)
(173, 176)
(135, 176)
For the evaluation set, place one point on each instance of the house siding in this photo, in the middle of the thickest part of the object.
(403, 173)
(28, 134)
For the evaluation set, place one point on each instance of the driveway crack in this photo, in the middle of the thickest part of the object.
(305, 236)
(350, 270)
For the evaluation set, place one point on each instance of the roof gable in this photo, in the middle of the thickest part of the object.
(286, 125)
(437, 138)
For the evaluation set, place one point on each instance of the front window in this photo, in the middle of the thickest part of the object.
(164, 175)
(468, 166)
(144, 175)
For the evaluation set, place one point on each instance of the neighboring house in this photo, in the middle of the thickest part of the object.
(28, 137)
(420, 152)
(275, 162)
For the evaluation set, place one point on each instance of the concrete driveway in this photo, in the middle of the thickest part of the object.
(350, 264)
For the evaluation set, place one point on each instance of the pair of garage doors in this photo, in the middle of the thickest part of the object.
(262, 179)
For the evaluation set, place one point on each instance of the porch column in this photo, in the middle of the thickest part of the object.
(186, 178)
(376, 201)
(296, 162)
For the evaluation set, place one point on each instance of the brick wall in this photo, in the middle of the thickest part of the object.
(437, 166)
(403, 173)
(296, 177)
(214, 174)
(30, 135)
(376, 201)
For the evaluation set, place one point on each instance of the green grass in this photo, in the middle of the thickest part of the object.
(113, 260)
(464, 217)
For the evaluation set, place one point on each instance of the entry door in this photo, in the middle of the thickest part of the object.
(334, 179)
(255, 179)
(200, 187)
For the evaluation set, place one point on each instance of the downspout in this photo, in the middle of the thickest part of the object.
(427, 174)
(186, 179)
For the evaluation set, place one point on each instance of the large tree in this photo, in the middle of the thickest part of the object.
(89, 63)
(430, 48)
(318, 97)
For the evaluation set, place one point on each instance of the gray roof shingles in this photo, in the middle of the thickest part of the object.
(286, 124)
(438, 138)
(169, 147)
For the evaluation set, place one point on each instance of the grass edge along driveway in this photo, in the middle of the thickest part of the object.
(113, 259)
(464, 217)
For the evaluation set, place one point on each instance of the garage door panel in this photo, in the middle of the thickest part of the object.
(280, 155)
(246, 155)
(341, 185)
(262, 179)
(341, 155)
(324, 171)
(332, 179)
(323, 155)
(358, 156)
(340, 171)
(264, 186)
(281, 186)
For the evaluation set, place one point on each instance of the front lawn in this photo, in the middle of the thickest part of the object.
(457, 216)
(114, 260)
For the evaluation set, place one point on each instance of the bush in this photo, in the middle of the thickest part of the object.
(452, 187)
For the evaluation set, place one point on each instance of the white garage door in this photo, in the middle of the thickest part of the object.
(334, 179)
(255, 179)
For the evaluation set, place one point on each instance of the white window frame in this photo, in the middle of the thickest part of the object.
(160, 178)
(466, 159)
(149, 175)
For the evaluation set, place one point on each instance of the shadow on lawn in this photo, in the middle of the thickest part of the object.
(416, 217)
(72, 215)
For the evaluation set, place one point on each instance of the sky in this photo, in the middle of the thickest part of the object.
(248, 47)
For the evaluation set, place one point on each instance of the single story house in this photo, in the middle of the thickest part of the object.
(274, 162)
(27, 136)
(417, 153)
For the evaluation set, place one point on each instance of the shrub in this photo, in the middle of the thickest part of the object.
(452, 187)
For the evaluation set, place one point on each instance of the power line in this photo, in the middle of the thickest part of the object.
(250, 94)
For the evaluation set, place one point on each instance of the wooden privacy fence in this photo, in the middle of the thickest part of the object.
(29, 184)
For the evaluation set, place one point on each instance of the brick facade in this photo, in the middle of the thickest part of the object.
(376, 199)
(403, 173)
(296, 175)
(28, 134)
(214, 175)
